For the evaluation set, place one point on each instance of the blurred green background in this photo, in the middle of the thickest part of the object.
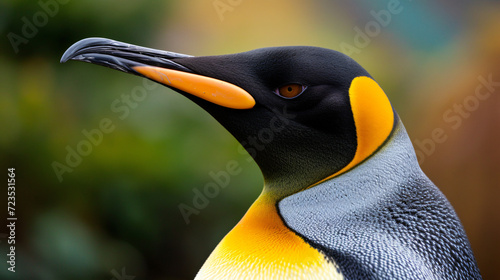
(116, 214)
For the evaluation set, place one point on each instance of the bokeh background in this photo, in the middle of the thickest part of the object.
(116, 215)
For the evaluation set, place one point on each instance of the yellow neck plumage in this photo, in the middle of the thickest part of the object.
(260, 246)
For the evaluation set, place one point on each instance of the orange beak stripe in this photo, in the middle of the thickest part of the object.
(216, 91)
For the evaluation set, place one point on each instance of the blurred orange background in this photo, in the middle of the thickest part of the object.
(117, 212)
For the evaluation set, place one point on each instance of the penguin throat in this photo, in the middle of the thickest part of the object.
(262, 246)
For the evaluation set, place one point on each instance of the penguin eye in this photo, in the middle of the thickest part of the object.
(290, 90)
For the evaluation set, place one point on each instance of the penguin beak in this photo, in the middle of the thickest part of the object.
(158, 66)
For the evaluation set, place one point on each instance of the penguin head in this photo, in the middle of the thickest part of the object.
(305, 114)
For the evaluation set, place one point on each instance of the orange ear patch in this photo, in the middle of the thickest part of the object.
(373, 118)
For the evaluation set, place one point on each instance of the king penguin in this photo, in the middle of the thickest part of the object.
(344, 196)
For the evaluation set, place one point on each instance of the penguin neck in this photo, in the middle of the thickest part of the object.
(262, 245)
(296, 159)
(275, 190)
(298, 173)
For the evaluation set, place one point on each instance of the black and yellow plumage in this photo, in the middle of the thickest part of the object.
(344, 197)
